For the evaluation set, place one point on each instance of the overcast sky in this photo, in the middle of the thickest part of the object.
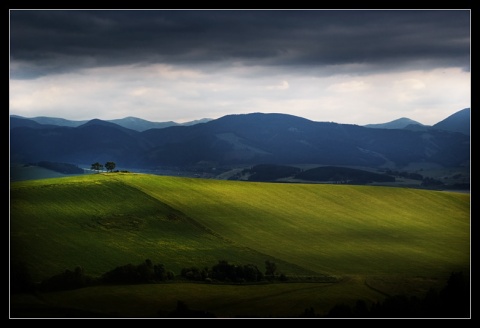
(344, 66)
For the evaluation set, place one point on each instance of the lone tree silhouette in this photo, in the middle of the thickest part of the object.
(110, 166)
(97, 166)
(270, 269)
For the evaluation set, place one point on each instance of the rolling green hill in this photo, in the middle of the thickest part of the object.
(101, 221)
(330, 229)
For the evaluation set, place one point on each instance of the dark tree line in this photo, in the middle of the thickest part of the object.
(226, 272)
(452, 301)
(144, 273)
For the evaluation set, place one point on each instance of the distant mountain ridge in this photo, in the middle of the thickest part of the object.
(129, 122)
(400, 123)
(457, 122)
(242, 139)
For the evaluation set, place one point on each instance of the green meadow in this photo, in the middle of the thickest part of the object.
(374, 240)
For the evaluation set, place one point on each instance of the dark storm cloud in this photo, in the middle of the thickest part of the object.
(46, 41)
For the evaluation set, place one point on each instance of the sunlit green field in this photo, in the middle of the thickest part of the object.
(102, 221)
(334, 229)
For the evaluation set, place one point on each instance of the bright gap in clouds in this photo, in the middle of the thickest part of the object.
(184, 93)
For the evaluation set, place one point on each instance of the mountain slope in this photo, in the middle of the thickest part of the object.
(457, 122)
(140, 125)
(16, 122)
(54, 121)
(285, 139)
(130, 122)
(400, 123)
(94, 141)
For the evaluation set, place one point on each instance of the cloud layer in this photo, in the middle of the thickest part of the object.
(349, 66)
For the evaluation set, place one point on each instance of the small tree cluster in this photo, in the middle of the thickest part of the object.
(145, 272)
(223, 271)
(109, 166)
(97, 166)
(196, 274)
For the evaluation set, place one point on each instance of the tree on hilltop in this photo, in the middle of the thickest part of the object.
(110, 166)
(97, 166)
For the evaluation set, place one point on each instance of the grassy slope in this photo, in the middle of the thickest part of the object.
(333, 229)
(101, 221)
